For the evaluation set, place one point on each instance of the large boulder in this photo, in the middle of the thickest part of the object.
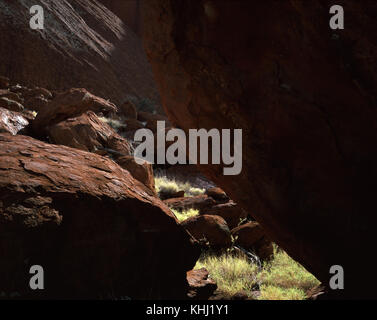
(211, 229)
(251, 236)
(96, 231)
(218, 194)
(304, 96)
(69, 104)
(230, 211)
(87, 132)
(83, 44)
(141, 172)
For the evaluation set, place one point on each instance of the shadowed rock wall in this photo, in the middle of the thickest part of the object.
(305, 97)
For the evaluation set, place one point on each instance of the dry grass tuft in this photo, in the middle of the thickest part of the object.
(233, 273)
(184, 215)
(165, 187)
(280, 279)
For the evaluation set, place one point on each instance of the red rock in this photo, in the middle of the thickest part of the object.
(119, 146)
(11, 121)
(28, 93)
(217, 193)
(88, 133)
(88, 46)
(304, 96)
(230, 211)
(212, 229)
(167, 193)
(36, 103)
(11, 104)
(248, 234)
(11, 96)
(200, 286)
(69, 104)
(264, 249)
(37, 92)
(93, 227)
(251, 236)
(178, 194)
(128, 11)
(201, 203)
(142, 173)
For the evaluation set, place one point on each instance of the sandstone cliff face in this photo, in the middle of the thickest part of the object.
(305, 97)
(97, 232)
(127, 10)
(83, 45)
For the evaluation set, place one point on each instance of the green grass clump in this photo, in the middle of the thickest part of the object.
(232, 273)
(285, 278)
(184, 215)
(278, 293)
(166, 187)
(280, 279)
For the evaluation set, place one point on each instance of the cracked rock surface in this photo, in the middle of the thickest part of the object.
(96, 231)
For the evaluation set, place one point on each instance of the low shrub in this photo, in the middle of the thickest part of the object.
(182, 216)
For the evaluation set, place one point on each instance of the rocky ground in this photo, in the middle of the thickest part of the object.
(73, 198)
(70, 178)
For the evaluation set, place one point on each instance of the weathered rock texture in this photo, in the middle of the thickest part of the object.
(87, 132)
(141, 172)
(83, 45)
(305, 97)
(251, 236)
(10, 104)
(12, 122)
(230, 211)
(211, 229)
(127, 10)
(201, 287)
(96, 231)
(69, 104)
